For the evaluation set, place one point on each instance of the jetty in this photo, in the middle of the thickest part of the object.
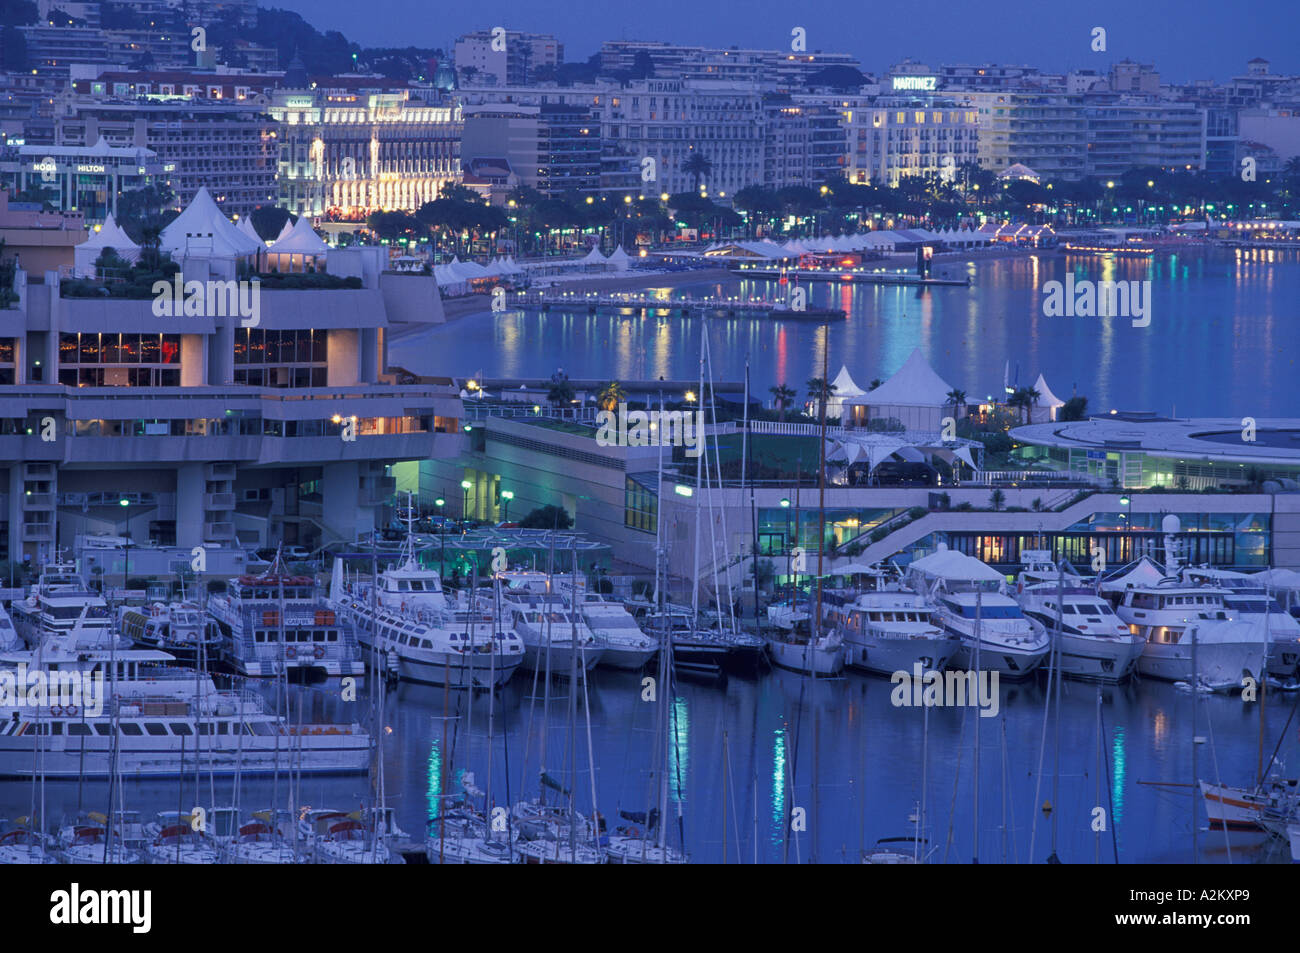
(688, 305)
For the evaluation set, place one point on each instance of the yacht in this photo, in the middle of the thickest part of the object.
(19, 844)
(276, 622)
(176, 840)
(155, 720)
(253, 842)
(178, 628)
(1094, 643)
(973, 607)
(61, 610)
(9, 639)
(86, 842)
(463, 837)
(792, 645)
(626, 646)
(1249, 600)
(888, 630)
(1250, 810)
(338, 838)
(552, 631)
(702, 646)
(417, 635)
(1170, 615)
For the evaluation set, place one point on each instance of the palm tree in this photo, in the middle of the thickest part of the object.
(697, 166)
(561, 391)
(996, 499)
(957, 399)
(783, 397)
(611, 396)
(876, 382)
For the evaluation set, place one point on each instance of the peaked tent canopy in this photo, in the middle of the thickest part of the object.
(915, 383)
(110, 235)
(301, 240)
(202, 225)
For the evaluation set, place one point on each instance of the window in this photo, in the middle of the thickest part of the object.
(78, 728)
(131, 728)
(157, 729)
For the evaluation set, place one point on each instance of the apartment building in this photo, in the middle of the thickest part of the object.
(511, 58)
(887, 138)
(777, 70)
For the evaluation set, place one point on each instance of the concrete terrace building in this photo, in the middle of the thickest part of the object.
(783, 71)
(229, 147)
(804, 142)
(514, 64)
(347, 152)
(215, 433)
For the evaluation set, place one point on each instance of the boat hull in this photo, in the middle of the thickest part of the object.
(561, 661)
(1099, 660)
(885, 654)
(1218, 664)
(1011, 662)
(807, 658)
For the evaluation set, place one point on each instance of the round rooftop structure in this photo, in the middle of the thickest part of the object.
(1221, 440)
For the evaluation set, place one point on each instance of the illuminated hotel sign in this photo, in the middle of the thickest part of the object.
(927, 83)
(90, 168)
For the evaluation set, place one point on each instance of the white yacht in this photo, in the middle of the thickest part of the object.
(155, 720)
(9, 638)
(1249, 600)
(19, 844)
(1094, 643)
(276, 621)
(973, 607)
(178, 628)
(61, 610)
(412, 631)
(86, 842)
(551, 630)
(338, 838)
(254, 842)
(176, 840)
(888, 630)
(1169, 615)
(626, 646)
(791, 643)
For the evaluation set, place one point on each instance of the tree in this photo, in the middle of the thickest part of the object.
(561, 391)
(269, 220)
(611, 396)
(1076, 408)
(956, 400)
(697, 166)
(547, 517)
(783, 397)
(818, 390)
(996, 499)
(875, 382)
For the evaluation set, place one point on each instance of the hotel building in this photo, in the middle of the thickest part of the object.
(521, 54)
(89, 180)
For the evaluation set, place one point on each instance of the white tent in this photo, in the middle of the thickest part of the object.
(950, 564)
(843, 387)
(110, 235)
(292, 251)
(1145, 573)
(246, 226)
(1048, 403)
(287, 230)
(915, 395)
(202, 229)
(595, 259)
(619, 259)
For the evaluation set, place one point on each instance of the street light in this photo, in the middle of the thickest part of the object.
(464, 505)
(126, 567)
(442, 535)
(785, 505)
(1127, 516)
(506, 495)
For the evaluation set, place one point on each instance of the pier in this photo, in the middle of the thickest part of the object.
(687, 306)
(850, 277)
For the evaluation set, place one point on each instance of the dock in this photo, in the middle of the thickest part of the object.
(851, 277)
(736, 306)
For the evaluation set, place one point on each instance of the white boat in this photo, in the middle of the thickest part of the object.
(897, 850)
(1250, 810)
(1247, 599)
(19, 844)
(626, 646)
(159, 721)
(338, 838)
(792, 645)
(1094, 643)
(175, 840)
(551, 631)
(1170, 615)
(462, 837)
(60, 609)
(1293, 839)
(888, 630)
(253, 842)
(973, 607)
(624, 849)
(416, 634)
(9, 638)
(276, 621)
(86, 842)
(178, 628)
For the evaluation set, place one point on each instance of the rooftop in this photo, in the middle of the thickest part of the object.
(1277, 439)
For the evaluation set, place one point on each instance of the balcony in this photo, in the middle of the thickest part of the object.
(218, 501)
(218, 531)
(38, 501)
(38, 532)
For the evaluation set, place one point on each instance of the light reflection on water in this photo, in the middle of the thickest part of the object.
(1219, 342)
(859, 733)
